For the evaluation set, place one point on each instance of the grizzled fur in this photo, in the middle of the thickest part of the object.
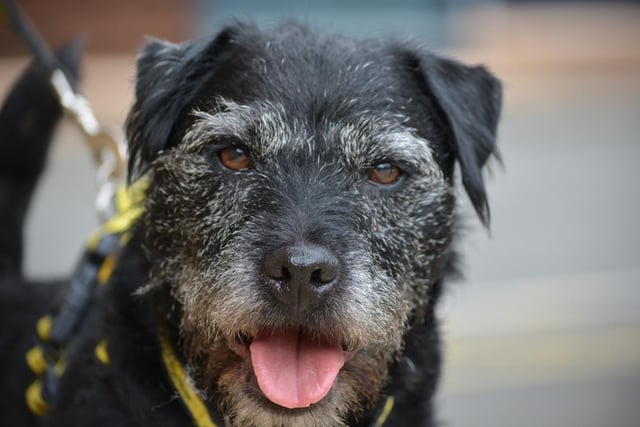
(315, 115)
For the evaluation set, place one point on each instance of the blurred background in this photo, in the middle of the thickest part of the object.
(545, 328)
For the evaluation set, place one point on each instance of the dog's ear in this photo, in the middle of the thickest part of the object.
(470, 99)
(169, 77)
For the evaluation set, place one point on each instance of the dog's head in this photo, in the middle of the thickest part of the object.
(302, 207)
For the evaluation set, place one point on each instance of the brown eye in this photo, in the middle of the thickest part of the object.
(234, 158)
(384, 173)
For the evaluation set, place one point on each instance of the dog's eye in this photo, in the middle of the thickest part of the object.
(384, 173)
(234, 158)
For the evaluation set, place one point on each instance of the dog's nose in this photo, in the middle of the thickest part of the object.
(302, 273)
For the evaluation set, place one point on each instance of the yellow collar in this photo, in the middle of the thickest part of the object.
(192, 402)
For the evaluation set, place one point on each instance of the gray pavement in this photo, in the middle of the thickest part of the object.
(546, 329)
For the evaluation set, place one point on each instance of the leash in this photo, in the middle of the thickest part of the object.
(106, 144)
(47, 359)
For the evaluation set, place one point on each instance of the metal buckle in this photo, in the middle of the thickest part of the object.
(107, 147)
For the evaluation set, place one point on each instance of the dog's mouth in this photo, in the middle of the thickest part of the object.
(294, 368)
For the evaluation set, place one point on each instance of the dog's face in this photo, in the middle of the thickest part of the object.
(302, 207)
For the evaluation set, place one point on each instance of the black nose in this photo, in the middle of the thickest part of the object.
(301, 274)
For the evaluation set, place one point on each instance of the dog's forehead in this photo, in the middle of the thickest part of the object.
(290, 91)
(311, 76)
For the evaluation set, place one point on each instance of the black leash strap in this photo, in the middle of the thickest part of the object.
(30, 35)
(107, 147)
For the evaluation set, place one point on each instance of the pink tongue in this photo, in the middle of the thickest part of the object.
(294, 371)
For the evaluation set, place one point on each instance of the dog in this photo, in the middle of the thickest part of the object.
(298, 227)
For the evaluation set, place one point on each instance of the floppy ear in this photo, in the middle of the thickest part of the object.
(169, 77)
(470, 99)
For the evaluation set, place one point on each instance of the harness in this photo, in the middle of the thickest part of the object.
(47, 359)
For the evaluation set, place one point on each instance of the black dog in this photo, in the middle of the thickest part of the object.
(297, 230)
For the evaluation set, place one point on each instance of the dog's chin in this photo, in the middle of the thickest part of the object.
(248, 406)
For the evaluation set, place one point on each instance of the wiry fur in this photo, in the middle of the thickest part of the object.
(315, 114)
